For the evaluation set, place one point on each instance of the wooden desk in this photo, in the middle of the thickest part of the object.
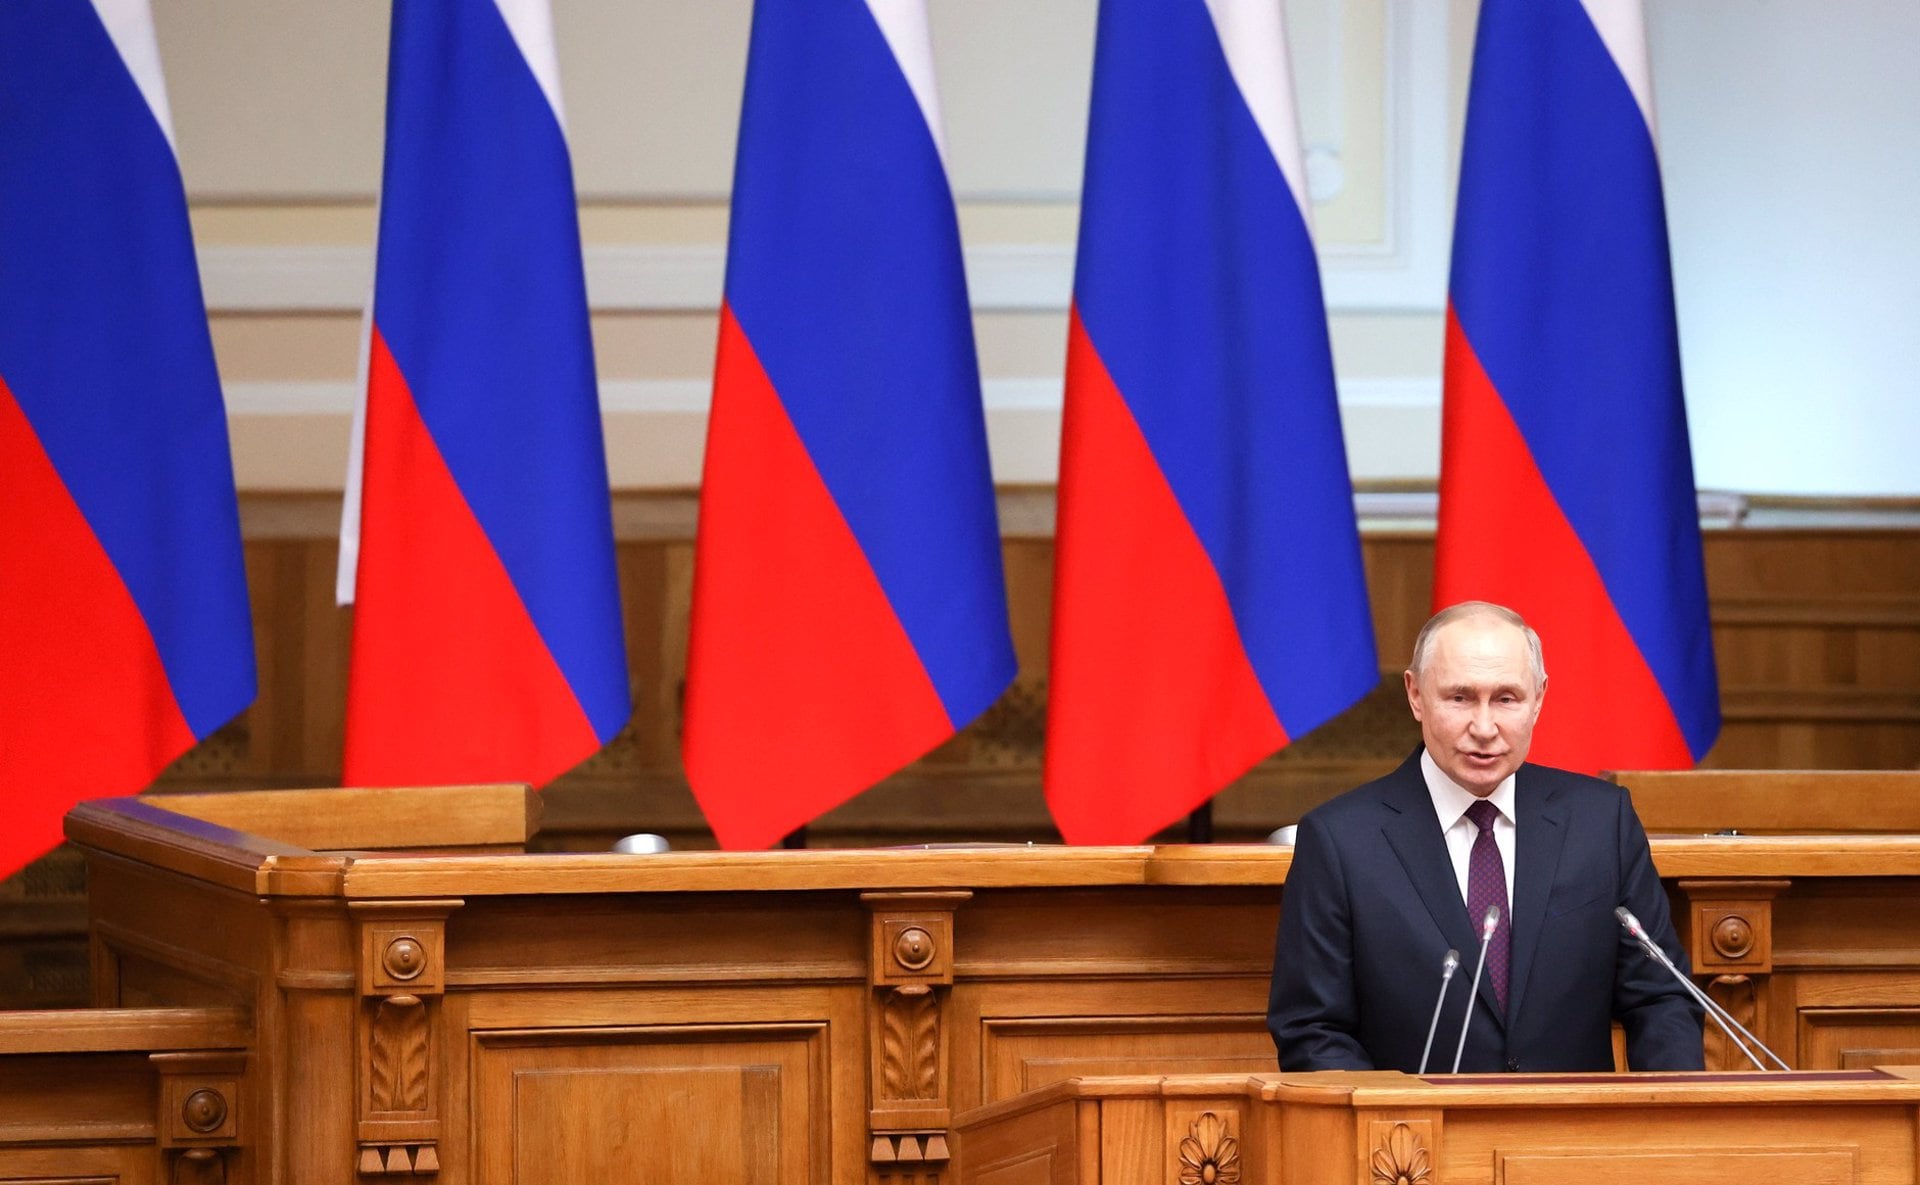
(139, 1096)
(1850, 1128)
(428, 1003)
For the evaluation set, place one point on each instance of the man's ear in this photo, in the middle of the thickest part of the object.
(1413, 693)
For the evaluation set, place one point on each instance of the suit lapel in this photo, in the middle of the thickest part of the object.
(1539, 834)
(1414, 834)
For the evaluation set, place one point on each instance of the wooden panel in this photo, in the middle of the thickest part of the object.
(719, 1103)
(1859, 1038)
(428, 817)
(73, 1097)
(1698, 1166)
(78, 1166)
(1866, 1143)
(1327, 1129)
(1777, 801)
(686, 938)
(1039, 1147)
(1012, 1035)
(1133, 1142)
(1020, 1055)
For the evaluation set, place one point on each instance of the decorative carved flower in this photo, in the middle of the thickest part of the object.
(1401, 1159)
(1209, 1156)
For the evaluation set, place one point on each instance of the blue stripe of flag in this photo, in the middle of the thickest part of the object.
(103, 340)
(1199, 288)
(844, 270)
(1568, 301)
(481, 297)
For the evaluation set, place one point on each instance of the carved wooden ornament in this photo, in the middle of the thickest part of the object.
(1732, 937)
(402, 974)
(1400, 1156)
(1208, 1155)
(910, 1044)
(399, 1041)
(1736, 994)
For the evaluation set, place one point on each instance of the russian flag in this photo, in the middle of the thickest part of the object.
(849, 611)
(1566, 480)
(1208, 600)
(124, 629)
(487, 642)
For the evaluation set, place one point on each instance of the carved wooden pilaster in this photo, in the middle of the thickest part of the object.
(402, 978)
(1728, 931)
(198, 1119)
(910, 969)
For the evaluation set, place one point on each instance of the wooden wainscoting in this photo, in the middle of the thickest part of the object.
(1818, 636)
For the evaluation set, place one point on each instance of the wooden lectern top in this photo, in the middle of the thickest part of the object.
(1387, 1128)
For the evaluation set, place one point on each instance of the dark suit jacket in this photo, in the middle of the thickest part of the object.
(1371, 905)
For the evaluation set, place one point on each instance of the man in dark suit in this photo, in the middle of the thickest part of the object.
(1387, 877)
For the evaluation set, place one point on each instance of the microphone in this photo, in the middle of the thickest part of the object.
(1720, 1016)
(1488, 924)
(1448, 966)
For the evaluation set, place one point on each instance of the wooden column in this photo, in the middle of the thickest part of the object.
(402, 979)
(910, 972)
(1728, 931)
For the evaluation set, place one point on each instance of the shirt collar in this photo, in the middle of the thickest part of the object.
(1451, 800)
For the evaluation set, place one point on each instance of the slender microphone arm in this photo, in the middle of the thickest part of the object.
(1720, 1015)
(1448, 966)
(1489, 922)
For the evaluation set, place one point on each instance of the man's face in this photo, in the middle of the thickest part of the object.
(1476, 701)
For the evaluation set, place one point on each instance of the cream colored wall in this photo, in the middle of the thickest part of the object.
(277, 111)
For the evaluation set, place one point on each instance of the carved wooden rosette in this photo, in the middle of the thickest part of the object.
(198, 1117)
(1209, 1154)
(1728, 930)
(1401, 1152)
(402, 978)
(910, 969)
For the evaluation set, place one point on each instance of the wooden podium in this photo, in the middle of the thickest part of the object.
(339, 987)
(1817, 1128)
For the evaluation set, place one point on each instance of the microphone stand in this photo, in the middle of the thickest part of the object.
(1488, 924)
(1720, 1015)
(1448, 966)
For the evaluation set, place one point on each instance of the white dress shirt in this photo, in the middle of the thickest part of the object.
(1450, 803)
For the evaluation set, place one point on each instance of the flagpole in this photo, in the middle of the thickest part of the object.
(1200, 823)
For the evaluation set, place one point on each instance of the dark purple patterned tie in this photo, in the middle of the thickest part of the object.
(1487, 885)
